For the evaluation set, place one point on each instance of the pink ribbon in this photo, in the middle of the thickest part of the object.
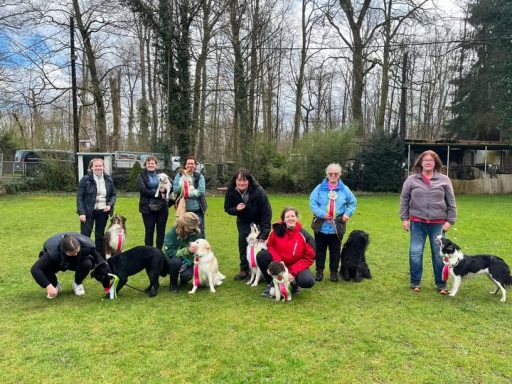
(252, 257)
(284, 290)
(185, 189)
(196, 271)
(119, 241)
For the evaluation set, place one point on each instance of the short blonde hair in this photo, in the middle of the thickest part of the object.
(333, 166)
(187, 224)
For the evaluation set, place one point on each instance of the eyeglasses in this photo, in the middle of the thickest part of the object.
(333, 173)
(428, 160)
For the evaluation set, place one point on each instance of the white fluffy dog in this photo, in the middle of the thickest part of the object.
(281, 280)
(164, 182)
(206, 267)
(253, 247)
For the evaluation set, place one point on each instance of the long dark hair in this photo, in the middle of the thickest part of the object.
(243, 174)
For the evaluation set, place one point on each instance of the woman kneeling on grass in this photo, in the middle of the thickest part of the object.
(178, 251)
(62, 252)
(295, 247)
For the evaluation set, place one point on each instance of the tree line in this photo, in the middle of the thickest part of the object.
(221, 79)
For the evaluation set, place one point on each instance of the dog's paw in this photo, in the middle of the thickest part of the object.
(255, 284)
(452, 294)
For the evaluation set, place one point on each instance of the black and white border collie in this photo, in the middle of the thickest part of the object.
(462, 265)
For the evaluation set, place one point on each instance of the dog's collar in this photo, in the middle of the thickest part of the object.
(97, 265)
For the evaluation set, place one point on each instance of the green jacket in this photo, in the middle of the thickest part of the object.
(175, 246)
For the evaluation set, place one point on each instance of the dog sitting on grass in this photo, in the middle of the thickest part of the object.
(281, 281)
(115, 236)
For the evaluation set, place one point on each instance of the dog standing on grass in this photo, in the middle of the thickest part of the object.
(115, 236)
(253, 247)
(461, 266)
(206, 267)
(281, 281)
(131, 262)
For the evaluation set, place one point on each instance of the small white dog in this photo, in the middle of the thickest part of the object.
(164, 182)
(253, 247)
(281, 280)
(206, 268)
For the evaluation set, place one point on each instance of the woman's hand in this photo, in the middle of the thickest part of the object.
(446, 226)
(291, 278)
(192, 248)
(240, 207)
(106, 209)
(405, 225)
(83, 218)
(345, 218)
(52, 291)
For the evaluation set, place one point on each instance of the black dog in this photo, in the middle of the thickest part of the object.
(353, 259)
(129, 263)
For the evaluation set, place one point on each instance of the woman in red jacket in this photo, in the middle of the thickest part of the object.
(294, 246)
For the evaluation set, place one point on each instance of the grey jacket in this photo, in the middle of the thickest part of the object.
(433, 202)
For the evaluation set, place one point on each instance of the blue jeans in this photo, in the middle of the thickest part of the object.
(419, 233)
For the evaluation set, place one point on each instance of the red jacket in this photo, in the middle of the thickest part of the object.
(293, 248)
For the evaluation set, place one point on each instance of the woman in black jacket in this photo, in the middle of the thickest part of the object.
(154, 210)
(95, 202)
(247, 200)
(62, 252)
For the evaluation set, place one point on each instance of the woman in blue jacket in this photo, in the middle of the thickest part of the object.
(332, 204)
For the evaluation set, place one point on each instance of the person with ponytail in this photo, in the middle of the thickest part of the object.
(95, 202)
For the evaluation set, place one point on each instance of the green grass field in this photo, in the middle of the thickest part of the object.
(377, 331)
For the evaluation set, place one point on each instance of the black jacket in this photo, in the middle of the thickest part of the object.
(257, 209)
(86, 197)
(146, 193)
(52, 256)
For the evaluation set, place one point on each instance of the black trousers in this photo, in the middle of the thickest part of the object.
(81, 269)
(305, 279)
(154, 220)
(175, 271)
(97, 220)
(243, 232)
(323, 242)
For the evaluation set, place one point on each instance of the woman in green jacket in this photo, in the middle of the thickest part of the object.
(178, 250)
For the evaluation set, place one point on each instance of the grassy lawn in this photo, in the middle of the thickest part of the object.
(374, 332)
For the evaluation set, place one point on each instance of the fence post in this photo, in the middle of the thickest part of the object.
(1, 165)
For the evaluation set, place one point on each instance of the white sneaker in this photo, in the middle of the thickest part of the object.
(59, 289)
(79, 289)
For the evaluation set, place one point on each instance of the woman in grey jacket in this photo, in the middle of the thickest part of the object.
(427, 208)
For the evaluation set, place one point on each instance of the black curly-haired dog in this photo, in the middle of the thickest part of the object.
(129, 263)
(353, 259)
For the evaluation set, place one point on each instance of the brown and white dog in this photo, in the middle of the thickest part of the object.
(115, 236)
(180, 204)
(253, 247)
(206, 267)
(164, 182)
(281, 280)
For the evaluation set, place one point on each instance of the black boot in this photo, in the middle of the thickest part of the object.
(173, 287)
(334, 276)
(319, 274)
